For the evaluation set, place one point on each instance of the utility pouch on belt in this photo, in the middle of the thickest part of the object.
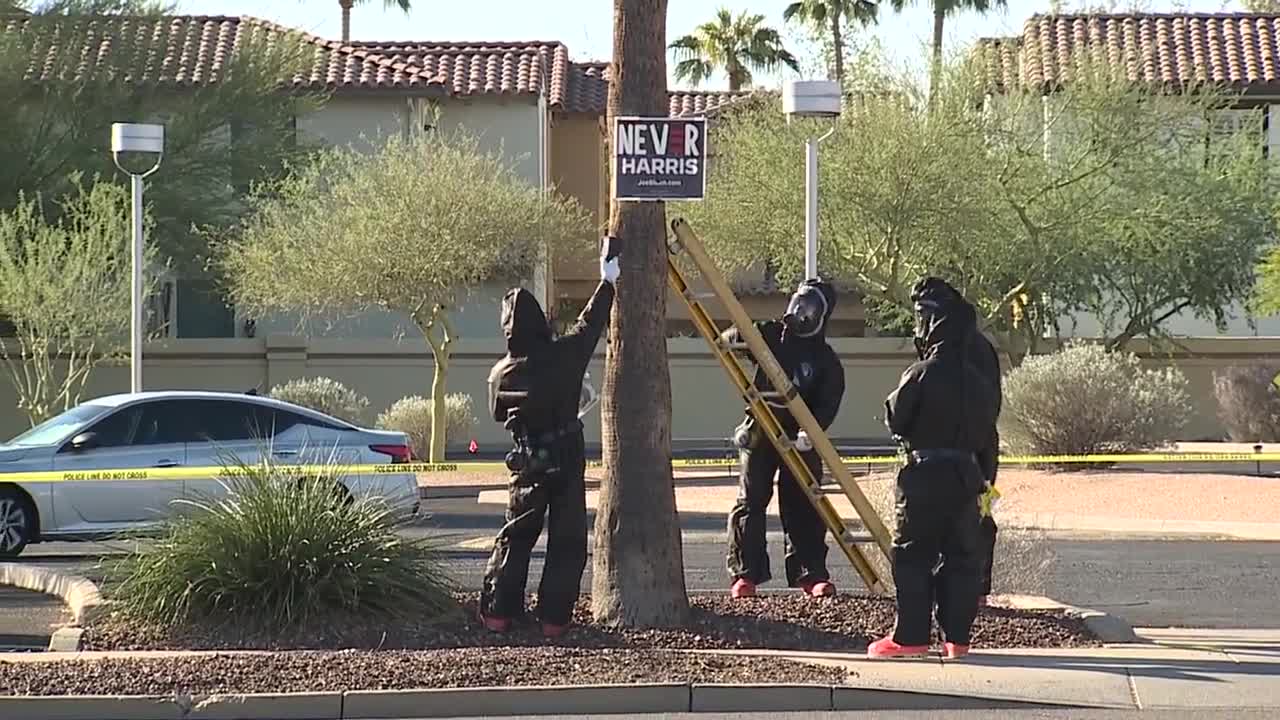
(746, 436)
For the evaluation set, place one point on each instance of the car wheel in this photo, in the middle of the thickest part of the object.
(17, 522)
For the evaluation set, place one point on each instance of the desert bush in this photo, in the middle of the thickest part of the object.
(1249, 402)
(1083, 399)
(276, 553)
(412, 415)
(324, 395)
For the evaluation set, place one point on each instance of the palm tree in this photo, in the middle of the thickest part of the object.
(346, 6)
(826, 15)
(941, 9)
(735, 45)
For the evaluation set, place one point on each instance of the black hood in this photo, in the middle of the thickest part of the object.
(523, 323)
(829, 298)
(947, 319)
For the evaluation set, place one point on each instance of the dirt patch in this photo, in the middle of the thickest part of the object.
(1173, 497)
(782, 621)
(329, 671)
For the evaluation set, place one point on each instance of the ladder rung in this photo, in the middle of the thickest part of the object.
(856, 538)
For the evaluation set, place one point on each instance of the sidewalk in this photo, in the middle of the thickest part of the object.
(1173, 669)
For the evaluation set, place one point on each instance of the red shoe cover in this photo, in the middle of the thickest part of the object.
(495, 624)
(952, 651)
(886, 648)
(821, 588)
(553, 631)
(743, 588)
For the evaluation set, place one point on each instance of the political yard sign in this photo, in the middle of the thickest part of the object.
(659, 158)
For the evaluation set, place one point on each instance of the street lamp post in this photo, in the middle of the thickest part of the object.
(808, 99)
(146, 139)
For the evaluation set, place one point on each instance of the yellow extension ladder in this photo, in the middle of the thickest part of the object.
(684, 241)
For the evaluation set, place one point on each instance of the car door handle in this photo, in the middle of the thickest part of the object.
(166, 463)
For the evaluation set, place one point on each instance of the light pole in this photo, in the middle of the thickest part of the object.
(809, 99)
(147, 139)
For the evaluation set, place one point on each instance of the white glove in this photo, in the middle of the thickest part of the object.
(803, 443)
(609, 269)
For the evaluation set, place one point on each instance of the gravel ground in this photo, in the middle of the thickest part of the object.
(782, 621)
(357, 670)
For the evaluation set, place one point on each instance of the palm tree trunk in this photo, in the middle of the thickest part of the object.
(939, 18)
(637, 577)
(837, 40)
(346, 6)
(735, 77)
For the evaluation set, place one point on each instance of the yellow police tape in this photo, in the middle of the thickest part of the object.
(186, 473)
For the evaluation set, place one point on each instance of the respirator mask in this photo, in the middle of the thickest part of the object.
(806, 312)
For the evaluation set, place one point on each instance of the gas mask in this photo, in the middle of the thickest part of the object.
(926, 311)
(806, 312)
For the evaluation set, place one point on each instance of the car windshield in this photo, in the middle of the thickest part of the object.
(59, 426)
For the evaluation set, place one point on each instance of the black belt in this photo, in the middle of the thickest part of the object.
(550, 436)
(935, 454)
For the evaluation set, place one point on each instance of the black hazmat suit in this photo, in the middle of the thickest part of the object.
(984, 356)
(540, 378)
(942, 412)
(816, 373)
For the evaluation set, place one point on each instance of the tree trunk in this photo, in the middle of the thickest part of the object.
(440, 349)
(838, 40)
(346, 6)
(939, 19)
(638, 563)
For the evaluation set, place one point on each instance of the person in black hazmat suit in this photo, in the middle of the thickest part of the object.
(983, 355)
(535, 391)
(799, 343)
(942, 413)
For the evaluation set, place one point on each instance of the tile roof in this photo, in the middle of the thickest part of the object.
(497, 68)
(1241, 50)
(192, 50)
(187, 51)
(588, 92)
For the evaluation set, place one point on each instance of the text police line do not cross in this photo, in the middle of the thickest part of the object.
(659, 158)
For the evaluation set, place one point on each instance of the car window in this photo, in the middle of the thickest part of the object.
(118, 428)
(61, 426)
(163, 421)
(222, 421)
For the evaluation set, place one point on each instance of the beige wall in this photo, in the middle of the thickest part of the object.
(578, 171)
(704, 404)
(509, 126)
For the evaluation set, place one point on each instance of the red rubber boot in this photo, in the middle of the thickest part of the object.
(743, 588)
(819, 588)
(952, 651)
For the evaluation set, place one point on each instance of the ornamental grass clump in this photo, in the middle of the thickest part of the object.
(276, 552)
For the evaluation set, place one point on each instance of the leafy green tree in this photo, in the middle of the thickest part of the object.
(219, 137)
(827, 16)
(65, 288)
(1122, 214)
(407, 228)
(735, 45)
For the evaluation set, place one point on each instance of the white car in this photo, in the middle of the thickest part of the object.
(170, 429)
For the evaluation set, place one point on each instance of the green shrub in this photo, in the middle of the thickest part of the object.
(324, 395)
(276, 553)
(412, 415)
(1083, 399)
(1249, 402)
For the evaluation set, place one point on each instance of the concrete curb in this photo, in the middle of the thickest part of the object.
(1110, 629)
(79, 594)
(495, 702)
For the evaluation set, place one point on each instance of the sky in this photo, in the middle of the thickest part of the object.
(585, 26)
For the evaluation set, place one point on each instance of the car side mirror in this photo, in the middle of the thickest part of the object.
(84, 441)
